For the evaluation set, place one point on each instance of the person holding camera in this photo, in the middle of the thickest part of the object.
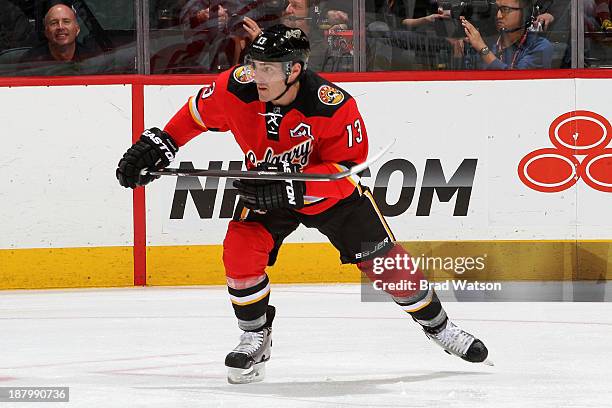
(314, 18)
(517, 47)
(196, 14)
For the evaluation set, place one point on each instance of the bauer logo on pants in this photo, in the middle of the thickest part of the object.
(581, 151)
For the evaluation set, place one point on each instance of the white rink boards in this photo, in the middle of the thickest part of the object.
(157, 347)
(452, 182)
(495, 123)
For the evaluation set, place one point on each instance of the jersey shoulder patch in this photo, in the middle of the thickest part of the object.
(329, 95)
(240, 83)
(243, 74)
(319, 97)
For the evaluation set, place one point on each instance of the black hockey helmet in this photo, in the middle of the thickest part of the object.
(280, 43)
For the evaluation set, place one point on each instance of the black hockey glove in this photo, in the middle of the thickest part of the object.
(153, 151)
(272, 194)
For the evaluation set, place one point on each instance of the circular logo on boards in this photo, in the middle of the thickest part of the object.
(548, 170)
(581, 139)
(580, 132)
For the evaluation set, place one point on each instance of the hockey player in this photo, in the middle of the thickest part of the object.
(287, 118)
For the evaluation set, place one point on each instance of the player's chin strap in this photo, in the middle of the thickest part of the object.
(288, 85)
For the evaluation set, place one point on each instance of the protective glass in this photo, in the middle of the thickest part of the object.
(266, 72)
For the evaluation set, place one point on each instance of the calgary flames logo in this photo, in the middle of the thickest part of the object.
(297, 154)
(330, 95)
(581, 150)
(244, 74)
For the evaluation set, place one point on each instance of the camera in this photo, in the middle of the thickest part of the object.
(264, 12)
(467, 8)
(479, 12)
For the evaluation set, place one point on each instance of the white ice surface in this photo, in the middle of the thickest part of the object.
(164, 347)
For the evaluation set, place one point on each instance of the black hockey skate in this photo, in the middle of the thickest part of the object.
(246, 362)
(460, 343)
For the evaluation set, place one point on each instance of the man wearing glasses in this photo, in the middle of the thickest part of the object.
(516, 47)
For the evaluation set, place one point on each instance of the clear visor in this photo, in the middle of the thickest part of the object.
(267, 72)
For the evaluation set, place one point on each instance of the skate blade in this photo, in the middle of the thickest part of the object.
(488, 362)
(246, 376)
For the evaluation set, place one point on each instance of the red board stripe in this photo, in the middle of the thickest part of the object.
(140, 220)
(337, 77)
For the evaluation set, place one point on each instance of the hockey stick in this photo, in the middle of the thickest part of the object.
(269, 175)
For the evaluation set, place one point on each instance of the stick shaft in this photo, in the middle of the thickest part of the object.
(268, 175)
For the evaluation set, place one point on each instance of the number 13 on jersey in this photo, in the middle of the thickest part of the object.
(354, 133)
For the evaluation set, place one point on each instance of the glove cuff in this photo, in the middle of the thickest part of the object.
(163, 143)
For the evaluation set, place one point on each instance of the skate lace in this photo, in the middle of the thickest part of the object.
(454, 339)
(250, 342)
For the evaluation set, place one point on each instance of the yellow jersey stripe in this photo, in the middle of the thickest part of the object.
(195, 114)
(382, 218)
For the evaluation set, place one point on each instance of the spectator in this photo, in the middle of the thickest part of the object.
(597, 50)
(516, 47)
(428, 44)
(217, 32)
(15, 29)
(602, 10)
(296, 15)
(196, 14)
(207, 46)
(590, 18)
(548, 14)
(300, 14)
(546, 18)
(337, 19)
(426, 12)
(61, 32)
(397, 14)
(554, 20)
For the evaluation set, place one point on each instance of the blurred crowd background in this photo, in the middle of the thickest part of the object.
(73, 37)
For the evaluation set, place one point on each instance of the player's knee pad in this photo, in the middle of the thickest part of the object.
(246, 248)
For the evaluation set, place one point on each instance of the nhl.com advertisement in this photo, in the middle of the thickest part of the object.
(467, 198)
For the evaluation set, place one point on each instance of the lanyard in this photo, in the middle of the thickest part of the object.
(519, 48)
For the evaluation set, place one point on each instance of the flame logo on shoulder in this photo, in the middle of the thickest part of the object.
(330, 96)
(244, 74)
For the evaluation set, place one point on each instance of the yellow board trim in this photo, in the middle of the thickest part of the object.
(66, 267)
(562, 260)
(319, 262)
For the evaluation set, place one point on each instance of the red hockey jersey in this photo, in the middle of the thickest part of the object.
(322, 130)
